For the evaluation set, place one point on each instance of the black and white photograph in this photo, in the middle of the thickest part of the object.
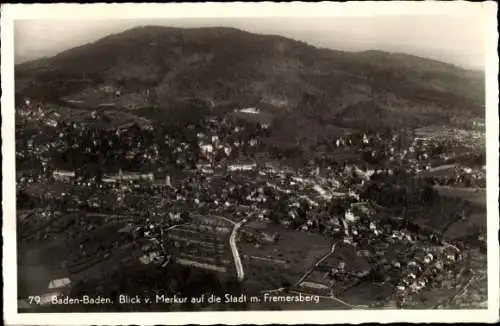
(249, 158)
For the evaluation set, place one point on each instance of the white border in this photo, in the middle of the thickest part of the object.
(98, 11)
(296, 9)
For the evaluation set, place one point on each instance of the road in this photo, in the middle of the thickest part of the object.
(219, 217)
(308, 272)
(232, 243)
(236, 255)
(176, 226)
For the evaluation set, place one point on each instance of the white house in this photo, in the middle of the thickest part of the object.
(133, 176)
(207, 148)
(59, 283)
(250, 110)
(242, 167)
(62, 175)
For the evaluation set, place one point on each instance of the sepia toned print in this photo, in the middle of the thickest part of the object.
(251, 164)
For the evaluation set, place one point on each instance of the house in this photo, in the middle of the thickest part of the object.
(249, 110)
(137, 176)
(131, 176)
(107, 89)
(168, 181)
(206, 148)
(51, 123)
(62, 175)
(59, 283)
(149, 257)
(242, 167)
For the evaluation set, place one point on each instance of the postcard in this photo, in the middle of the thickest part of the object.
(229, 163)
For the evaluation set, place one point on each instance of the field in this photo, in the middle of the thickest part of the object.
(474, 195)
(269, 264)
(440, 171)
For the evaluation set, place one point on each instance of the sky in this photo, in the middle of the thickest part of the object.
(456, 39)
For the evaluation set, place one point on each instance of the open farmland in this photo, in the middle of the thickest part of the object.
(474, 195)
(273, 264)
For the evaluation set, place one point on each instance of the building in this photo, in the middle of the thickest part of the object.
(107, 89)
(59, 283)
(131, 176)
(243, 166)
(61, 175)
(168, 181)
(250, 110)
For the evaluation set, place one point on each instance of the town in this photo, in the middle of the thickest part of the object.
(394, 214)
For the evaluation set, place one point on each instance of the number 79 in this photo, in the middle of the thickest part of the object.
(34, 299)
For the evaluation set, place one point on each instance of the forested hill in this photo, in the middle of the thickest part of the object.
(217, 65)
